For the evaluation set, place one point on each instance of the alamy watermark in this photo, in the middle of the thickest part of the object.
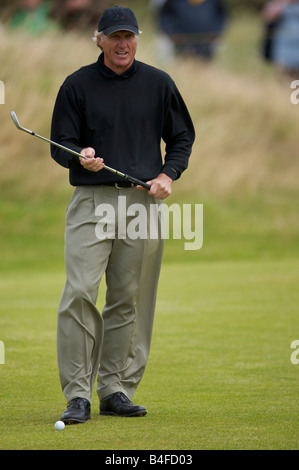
(295, 354)
(137, 221)
(2, 353)
(2, 92)
(295, 94)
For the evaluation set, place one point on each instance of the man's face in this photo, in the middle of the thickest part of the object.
(119, 50)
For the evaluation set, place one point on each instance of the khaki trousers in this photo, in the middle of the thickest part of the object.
(113, 346)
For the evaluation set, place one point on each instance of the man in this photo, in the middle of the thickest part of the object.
(282, 17)
(115, 110)
(193, 26)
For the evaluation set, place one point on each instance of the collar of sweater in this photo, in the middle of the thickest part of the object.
(110, 74)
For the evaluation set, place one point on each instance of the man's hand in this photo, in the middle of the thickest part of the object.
(91, 163)
(160, 186)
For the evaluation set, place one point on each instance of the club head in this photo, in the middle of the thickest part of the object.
(17, 124)
(15, 119)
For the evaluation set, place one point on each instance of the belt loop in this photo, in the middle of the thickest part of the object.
(119, 186)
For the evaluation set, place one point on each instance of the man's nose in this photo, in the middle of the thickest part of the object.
(122, 43)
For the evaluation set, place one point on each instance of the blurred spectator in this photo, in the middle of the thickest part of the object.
(78, 13)
(193, 26)
(282, 17)
(7, 9)
(32, 16)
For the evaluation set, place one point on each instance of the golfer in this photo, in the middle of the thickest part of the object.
(114, 111)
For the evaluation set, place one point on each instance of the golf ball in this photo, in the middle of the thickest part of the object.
(59, 425)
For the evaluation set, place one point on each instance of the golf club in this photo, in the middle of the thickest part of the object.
(112, 170)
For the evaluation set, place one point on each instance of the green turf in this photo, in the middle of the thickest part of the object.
(219, 374)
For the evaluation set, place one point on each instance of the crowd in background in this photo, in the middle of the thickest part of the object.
(185, 27)
(193, 27)
(40, 16)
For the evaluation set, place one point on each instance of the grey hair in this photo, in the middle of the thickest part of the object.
(97, 34)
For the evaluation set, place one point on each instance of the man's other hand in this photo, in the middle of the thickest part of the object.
(160, 186)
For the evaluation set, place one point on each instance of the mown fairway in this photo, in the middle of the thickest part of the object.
(219, 376)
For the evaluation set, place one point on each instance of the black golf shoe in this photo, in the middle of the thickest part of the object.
(117, 404)
(78, 411)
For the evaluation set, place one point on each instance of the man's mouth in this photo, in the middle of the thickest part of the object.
(122, 54)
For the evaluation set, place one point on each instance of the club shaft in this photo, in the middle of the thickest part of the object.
(108, 168)
(67, 149)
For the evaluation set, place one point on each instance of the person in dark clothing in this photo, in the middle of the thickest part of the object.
(116, 111)
(194, 26)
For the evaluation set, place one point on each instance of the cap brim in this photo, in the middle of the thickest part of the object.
(120, 27)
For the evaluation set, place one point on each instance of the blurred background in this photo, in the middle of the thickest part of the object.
(224, 56)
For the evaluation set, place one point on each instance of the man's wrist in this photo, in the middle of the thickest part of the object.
(170, 172)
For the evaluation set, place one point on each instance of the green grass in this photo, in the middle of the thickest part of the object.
(219, 374)
(264, 226)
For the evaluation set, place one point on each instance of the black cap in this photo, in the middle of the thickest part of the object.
(118, 19)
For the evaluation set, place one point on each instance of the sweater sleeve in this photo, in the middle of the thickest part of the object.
(66, 127)
(178, 135)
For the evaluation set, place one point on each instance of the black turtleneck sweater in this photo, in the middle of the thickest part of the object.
(123, 117)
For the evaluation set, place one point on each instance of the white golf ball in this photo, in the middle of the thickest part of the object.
(59, 425)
